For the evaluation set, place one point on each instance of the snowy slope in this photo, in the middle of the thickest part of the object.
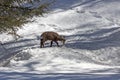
(92, 49)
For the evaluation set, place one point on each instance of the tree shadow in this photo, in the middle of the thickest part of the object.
(69, 4)
(13, 47)
(99, 39)
(21, 44)
(57, 76)
(64, 4)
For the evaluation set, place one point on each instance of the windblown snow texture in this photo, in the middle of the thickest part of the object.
(91, 51)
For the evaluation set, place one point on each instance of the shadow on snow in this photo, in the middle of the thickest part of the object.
(97, 39)
(57, 76)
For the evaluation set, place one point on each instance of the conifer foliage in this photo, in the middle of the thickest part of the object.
(14, 13)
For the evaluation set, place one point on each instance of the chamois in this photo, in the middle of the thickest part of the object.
(52, 36)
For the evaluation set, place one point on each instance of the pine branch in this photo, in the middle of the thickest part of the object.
(18, 7)
(13, 16)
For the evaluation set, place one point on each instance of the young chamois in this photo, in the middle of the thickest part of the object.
(52, 36)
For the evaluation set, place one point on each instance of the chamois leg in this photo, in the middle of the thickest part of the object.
(41, 43)
(56, 43)
(51, 43)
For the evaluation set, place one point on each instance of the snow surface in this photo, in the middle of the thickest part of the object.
(91, 52)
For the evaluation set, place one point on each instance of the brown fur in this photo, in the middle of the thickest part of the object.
(52, 36)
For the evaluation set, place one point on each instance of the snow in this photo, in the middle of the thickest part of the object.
(91, 52)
